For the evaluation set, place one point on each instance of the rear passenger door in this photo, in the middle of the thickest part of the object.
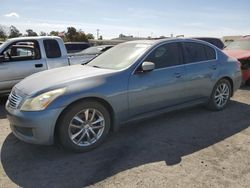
(162, 87)
(201, 66)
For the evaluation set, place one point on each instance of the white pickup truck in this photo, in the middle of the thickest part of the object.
(21, 57)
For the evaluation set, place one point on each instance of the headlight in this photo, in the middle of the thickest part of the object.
(42, 101)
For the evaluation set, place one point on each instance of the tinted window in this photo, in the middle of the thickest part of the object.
(52, 48)
(217, 42)
(165, 56)
(76, 47)
(195, 52)
(210, 52)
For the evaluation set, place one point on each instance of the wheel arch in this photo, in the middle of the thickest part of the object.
(104, 102)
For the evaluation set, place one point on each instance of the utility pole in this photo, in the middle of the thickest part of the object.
(97, 33)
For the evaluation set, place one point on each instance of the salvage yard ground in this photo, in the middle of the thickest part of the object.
(188, 148)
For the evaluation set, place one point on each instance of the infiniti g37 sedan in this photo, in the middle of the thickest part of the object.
(80, 105)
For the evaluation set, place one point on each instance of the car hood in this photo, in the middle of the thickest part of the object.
(238, 54)
(58, 77)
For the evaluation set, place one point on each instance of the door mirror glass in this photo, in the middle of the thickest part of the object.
(147, 66)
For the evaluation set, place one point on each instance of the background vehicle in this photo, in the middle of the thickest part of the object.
(21, 57)
(240, 50)
(130, 81)
(74, 47)
(90, 53)
(215, 41)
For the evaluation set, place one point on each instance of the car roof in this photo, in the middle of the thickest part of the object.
(159, 41)
(206, 38)
(104, 46)
(33, 38)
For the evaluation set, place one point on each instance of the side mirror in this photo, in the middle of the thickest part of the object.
(147, 66)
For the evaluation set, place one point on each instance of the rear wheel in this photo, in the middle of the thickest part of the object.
(83, 126)
(221, 95)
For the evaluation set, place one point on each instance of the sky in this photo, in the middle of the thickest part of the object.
(143, 18)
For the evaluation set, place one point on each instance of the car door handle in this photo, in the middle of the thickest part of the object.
(38, 65)
(177, 74)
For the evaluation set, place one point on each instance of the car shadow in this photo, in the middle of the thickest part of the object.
(2, 107)
(167, 138)
(245, 87)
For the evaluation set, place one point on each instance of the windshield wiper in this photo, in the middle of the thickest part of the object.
(96, 66)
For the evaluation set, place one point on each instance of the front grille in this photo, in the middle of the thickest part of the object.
(14, 100)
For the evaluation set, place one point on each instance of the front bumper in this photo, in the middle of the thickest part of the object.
(33, 127)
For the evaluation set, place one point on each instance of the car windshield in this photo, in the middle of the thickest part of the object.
(120, 56)
(239, 45)
(92, 50)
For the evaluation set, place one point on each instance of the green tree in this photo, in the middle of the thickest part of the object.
(43, 33)
(14, 32)
(72, 35)
(30, 32)
(3, 34)
(54, 33)
(90, 36)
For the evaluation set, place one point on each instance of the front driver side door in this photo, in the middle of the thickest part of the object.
(162, 87)
(20, 62)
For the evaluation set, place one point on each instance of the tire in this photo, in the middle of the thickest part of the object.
(220, 94)
(89, 119)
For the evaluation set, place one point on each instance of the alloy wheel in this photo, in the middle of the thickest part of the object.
(222, 94)
(86, 127)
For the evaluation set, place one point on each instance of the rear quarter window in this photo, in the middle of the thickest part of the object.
(210, 52)
(52, 48)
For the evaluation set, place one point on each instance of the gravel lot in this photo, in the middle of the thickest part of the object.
(188, 148)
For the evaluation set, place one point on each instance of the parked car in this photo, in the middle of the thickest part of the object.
(215, 41)
(74, 47)
(240, 50)
(131, 81)
(21, 57)
(90, 53)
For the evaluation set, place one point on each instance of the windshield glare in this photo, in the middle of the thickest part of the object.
(120, 56)
(239, 45)
(92, 50)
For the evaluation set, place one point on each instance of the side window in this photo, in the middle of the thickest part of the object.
(210, 52)
(22, 51)
(195, 52)
(165, 56)
(52, 48)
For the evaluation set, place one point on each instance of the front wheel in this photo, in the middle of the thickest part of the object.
(221, 95)
(83, 126)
